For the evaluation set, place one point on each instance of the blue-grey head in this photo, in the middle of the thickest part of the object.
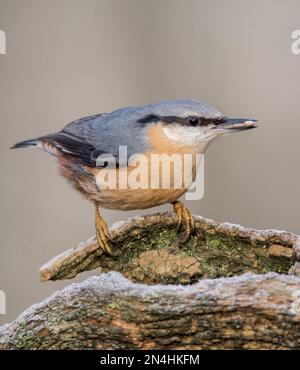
(187, 121)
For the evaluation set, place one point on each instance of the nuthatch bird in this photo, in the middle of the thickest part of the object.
(166, 127)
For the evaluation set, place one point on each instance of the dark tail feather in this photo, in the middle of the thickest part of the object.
(26, 144)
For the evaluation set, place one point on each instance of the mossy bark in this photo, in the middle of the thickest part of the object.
(238, 291)
(147, 249)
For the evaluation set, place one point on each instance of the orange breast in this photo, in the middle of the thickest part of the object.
(148, 172)
(142, 185)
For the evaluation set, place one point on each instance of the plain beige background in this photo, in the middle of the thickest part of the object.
(71, 58)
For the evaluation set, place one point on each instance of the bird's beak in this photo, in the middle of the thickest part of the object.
(227, 125)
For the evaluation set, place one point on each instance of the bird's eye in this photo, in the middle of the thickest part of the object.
(193, 121)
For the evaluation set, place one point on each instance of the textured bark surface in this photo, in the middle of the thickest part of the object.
(109, 312)
(244, 293)
(147, 250)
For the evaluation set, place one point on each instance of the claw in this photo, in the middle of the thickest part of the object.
(102, 232)
(178, 212)
(103, 243)
(185, 220)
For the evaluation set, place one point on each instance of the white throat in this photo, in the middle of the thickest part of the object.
(186, 136)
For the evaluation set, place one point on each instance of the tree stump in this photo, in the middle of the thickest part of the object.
(228, 287)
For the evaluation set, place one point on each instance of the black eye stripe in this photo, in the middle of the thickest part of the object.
(189, 121)
(149, 118)
(202, 121)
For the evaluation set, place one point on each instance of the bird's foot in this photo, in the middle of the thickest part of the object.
(102, 233)
(185, 220)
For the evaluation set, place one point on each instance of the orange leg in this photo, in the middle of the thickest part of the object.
(102, 232)
(185, 220)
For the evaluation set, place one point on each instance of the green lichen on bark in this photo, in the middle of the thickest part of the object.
(229, 310)
(147, 249)
(218, 255)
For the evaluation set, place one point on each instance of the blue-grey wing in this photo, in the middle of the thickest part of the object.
(101, 134)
